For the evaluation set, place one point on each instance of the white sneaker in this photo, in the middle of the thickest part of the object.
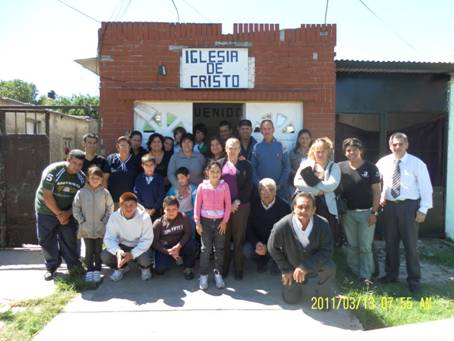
(96, 276)
(89, 276)
(118, 274)
(203, 282)
(219, 280)
(146, 274)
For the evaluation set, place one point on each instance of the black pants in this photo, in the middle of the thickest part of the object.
(93, 248)
(322, 210)
(322, 284)
(57, 241)
(236, 232)
(144, 260)
(399, 219)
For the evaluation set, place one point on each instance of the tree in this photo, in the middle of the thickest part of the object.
(80, 99)
(19, 90)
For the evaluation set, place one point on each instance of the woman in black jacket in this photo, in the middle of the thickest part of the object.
(238, 175)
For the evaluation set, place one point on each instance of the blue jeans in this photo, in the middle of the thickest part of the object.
(360, 236)
(57, 241)
(190, 215)
(211, 240)
(188, 252)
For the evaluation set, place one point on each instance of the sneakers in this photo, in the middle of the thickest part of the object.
(188, 274)
(89, 276)
(49, 275)
(219, 280)
(203, 282)
(117, 275)
(96, 276)
(146, 274)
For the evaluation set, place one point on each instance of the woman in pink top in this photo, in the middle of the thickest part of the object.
(211, 214)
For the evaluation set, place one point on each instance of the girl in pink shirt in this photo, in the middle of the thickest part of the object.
(211, 214)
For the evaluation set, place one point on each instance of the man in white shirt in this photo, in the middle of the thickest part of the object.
(406, 197)
(129, 235)
(301, 244)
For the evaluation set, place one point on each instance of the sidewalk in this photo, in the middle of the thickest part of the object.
(171, 307)
(21, 275)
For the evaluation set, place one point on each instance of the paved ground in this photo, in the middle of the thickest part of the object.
(170, 307)
(21, 275)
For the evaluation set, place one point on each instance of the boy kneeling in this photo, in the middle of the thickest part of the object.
(173, 239)
(128, 238)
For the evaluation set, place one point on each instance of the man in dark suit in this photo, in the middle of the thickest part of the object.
(302, 246)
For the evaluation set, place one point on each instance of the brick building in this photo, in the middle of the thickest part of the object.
(157, 76)
(286, 75)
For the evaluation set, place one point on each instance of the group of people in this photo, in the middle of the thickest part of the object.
(235, 198)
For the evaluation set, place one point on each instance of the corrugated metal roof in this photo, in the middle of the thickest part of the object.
(372, 66)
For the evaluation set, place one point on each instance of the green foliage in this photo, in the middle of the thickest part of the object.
(443, 256)
(390, 305)
(19, 90)
(28, 317)
(80, 99)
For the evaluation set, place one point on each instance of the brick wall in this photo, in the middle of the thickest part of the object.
(285, 65)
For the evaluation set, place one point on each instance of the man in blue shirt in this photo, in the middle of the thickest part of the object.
(270, 160)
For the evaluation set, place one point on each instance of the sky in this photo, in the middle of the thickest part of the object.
(40, 39)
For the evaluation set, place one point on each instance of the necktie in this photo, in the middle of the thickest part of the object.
(395, 188)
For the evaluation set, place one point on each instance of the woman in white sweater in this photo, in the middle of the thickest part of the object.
(320, 176)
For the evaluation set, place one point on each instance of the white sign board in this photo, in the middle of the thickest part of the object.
(215, 68)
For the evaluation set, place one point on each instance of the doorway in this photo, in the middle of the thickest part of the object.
(211, 114)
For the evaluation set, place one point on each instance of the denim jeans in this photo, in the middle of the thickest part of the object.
(360, 236)
(211, 240)
(188, 252)
(93, 248)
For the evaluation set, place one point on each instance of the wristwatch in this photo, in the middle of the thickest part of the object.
(375, 213)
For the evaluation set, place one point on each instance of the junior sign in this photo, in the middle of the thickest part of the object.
(214, 69)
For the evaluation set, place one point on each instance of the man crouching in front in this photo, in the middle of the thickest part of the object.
(129, 234)
(301, 244)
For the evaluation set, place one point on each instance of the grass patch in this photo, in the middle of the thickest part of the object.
(443, 256)
(26, 318)
(393, 304)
